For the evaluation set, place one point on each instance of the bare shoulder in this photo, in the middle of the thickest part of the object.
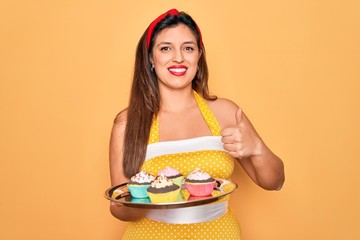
(121, 119)
(224, 111)
(119, 125)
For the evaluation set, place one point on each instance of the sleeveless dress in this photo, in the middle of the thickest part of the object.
(205, 153)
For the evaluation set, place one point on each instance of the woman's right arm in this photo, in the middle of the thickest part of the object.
(116, 169)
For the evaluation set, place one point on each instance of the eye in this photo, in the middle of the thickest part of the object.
(188, 49)
(165, 49)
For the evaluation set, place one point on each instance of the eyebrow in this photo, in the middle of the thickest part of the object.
(169, 43)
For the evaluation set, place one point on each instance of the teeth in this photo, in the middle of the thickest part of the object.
(179, 70)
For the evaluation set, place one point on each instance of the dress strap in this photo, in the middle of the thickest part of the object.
(154, 130)
(208, 115)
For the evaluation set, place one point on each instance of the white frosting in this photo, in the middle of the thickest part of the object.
(142, 177)
(198, 175)
(161, 181)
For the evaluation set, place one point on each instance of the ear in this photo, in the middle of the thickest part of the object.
(151, 59)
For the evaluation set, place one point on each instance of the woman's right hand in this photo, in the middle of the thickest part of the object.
(126, 213)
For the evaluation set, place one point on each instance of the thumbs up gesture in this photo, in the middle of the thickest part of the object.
(241, 140)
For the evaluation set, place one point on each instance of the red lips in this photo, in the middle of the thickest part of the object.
(178, 70)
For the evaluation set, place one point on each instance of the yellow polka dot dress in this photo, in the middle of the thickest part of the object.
(205, 153)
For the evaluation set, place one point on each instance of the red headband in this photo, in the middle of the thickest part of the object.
(172, 12)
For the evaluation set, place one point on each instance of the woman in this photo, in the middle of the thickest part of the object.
(170, 105)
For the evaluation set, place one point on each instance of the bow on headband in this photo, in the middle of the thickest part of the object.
(171, 12)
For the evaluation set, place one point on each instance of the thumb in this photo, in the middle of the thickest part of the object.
(238, 116)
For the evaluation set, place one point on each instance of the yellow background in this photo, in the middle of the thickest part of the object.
(66, 71)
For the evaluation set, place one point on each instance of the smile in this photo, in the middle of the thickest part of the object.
(177, 70)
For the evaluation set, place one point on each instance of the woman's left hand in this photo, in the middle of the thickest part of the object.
(242, 140)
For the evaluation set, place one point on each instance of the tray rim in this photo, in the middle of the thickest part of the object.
(169, 204)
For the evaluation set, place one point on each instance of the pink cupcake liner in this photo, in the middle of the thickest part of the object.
(200, 189)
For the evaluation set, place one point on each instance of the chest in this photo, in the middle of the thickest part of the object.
(176, 126)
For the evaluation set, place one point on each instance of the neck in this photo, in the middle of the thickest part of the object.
(176, 101)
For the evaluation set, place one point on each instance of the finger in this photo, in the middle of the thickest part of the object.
(234, 138)
(238, 116)
(228, 139)
(232, 147)
(228, 131)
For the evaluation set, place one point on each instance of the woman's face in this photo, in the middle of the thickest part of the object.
(175, 57)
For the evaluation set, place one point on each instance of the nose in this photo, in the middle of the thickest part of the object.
(178, 56)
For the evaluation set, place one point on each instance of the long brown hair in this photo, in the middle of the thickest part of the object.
(145, 97)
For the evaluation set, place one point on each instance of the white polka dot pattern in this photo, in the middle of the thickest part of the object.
(224, 228)
(208, 115)
(154, 131)
(217, 163)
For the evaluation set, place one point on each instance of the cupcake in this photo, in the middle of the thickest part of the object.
(199, 183)
(163, 190)
(140, 200)
(139, 183)
(173, 174)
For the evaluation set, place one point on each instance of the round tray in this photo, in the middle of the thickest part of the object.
(121, 195)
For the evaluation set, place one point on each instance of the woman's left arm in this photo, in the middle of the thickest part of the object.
(260, 163)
